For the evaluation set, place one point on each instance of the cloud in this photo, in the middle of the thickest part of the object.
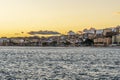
(118, 13)
(44, 32)
(17, 33)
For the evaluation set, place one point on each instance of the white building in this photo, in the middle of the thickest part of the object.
(70, 33)
(3, 41)
(100, 31)
(17, 40)
(90, 31)
(116, 39)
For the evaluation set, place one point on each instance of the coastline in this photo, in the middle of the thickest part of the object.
(67, 46)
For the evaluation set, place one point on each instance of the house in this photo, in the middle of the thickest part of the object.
(118, 29)
(107, 32)
(91, 30)
(4, 41)
(71, 33)
(102, 38)
(99, 33)
(116, 39)
(89, 33)
(99, 41)
(107, 41)
(17, 41)
(91, 36)
(103, 41)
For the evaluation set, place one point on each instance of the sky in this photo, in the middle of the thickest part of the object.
(18, 17)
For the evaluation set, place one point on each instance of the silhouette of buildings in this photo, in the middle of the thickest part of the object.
(87, 37)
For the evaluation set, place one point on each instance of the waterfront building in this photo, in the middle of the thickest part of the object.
(4, 41)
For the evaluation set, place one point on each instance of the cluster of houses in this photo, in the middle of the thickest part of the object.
(87, 37)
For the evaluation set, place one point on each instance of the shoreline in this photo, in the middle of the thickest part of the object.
(68, 46)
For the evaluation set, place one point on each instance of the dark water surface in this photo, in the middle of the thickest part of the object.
(82, 63)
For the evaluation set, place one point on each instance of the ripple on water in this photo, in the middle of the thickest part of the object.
(30, 63)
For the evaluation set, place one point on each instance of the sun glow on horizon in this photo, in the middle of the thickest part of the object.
(18, 16)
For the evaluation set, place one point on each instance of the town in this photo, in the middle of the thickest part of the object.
(87, 37)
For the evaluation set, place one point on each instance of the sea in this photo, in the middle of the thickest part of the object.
(59, 63)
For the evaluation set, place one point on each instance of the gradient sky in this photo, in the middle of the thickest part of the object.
(18, 16)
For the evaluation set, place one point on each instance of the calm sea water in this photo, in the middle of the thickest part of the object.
(82, 63)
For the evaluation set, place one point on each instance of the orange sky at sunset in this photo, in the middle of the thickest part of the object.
(17, 16)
